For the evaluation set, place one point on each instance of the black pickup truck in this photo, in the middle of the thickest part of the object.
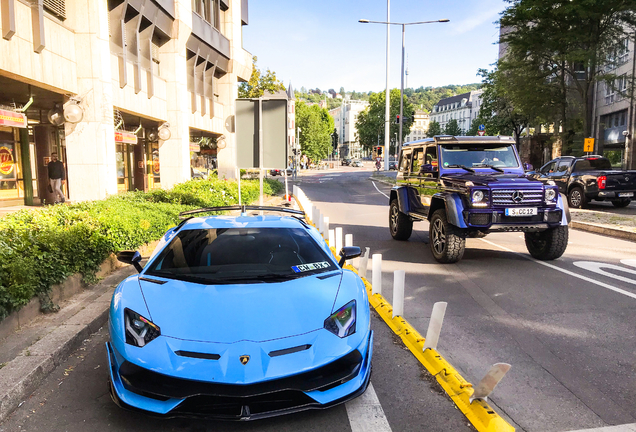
(584, 179)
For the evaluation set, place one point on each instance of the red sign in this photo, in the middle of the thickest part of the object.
(125, 137)
(481, 133)
(12, 119)
(194, 147)
(6, 161)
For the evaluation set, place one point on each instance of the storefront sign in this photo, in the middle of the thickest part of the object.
(125, 137)
(6, 161)
(12, 119)
(156, 167)
(194, 147)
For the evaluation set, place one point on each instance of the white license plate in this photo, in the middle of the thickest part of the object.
(525, 211)
(625, 194)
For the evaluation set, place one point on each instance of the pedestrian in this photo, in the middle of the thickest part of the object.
(57, 177)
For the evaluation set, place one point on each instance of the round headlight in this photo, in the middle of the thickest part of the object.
(550, 194)
(478, 196)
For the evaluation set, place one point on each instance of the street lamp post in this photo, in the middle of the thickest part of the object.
(388, 22)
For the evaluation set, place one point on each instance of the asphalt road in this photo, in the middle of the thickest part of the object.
(75, 398)
(566, 326)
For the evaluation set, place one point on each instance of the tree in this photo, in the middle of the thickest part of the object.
(342, 91)
(370, 122)
(316, 126)
(452, 128)
(259, 83)
(567, 42)
(433, 129)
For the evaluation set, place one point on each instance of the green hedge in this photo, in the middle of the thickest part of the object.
(42, 247)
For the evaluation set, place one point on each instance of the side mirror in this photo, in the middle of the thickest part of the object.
(349, 252)
(130, 257)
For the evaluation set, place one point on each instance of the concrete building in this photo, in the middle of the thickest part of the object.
(464, 108)
(345, 117)
(421, 120)
(119, 88)
(613, 123)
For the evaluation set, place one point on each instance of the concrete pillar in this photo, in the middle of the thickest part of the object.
(91, 143)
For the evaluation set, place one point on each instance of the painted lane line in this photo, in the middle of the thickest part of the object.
(376, 188)
(620, 428)
(629, 262)
(568, 272)
(597, 267)
(366, 414)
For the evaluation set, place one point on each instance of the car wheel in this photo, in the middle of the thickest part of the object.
(446, 245)
(576, 198)
(621, 203)
(400, 225)
(549, 244)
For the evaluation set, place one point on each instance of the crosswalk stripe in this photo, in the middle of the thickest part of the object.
(620, 428)
(366, 414)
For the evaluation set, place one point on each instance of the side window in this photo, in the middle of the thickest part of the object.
(405, 161)
(548, 168)
(418, 160)
(431, 156)
(563, 166)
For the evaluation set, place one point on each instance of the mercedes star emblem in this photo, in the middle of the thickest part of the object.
(517, 197)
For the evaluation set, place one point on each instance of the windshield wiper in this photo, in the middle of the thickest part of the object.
(181, 277)
(462, 167)
(489, 166)
(262, 278)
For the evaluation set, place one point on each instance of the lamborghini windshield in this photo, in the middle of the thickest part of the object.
(241, 255)
(478, 156)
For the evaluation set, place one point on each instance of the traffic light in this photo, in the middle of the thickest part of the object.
(379, 151)
(397, 119)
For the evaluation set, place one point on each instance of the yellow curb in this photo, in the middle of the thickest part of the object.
(479, 413)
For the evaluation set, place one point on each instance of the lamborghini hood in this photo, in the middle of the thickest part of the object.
(231, 313)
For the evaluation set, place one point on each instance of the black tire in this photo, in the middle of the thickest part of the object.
(549, 244)
(447, 246)
(621, 203)
(400, 225)
(576, 197)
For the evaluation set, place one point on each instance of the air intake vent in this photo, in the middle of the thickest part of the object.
(56, 8)
(204, 356)
(289, 350)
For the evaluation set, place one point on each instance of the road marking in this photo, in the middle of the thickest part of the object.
(568, 272)
(629, 262)
(597, 267)
(366, 414)
(620, 428)
(376, 188)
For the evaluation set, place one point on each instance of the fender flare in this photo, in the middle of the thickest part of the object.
(453, 205)
(401, 193)
(562, 203)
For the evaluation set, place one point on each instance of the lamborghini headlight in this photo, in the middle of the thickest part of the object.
(139, 330)
(343, 322)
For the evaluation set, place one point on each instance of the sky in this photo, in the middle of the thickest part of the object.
(321, 44)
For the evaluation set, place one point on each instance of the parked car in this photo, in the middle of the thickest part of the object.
(470, 187)
(357, 163)
(279, 172)
(588, 178)
(239, 318)
(392, 165)
(345, 162)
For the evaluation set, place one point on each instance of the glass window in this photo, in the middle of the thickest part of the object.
(405, 161)
(418, 160)
(563, 165)
(477, 155)
(548, 168)
(592, 164)
(241, 255)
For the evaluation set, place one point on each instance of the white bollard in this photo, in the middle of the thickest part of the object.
(338, 239)
(435, 326)
(376, 274)
(349, 240)
(332, 238)
(325, 224)
(489, 382)
(309, 211)
(364, 262)
(398, 292)
(316, 218)
(321, 225)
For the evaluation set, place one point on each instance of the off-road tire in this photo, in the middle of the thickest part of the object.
(549, 244)
(621, 203)
(447, 246)
(576, 198)
(400, 225)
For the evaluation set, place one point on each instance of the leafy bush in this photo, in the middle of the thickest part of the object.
(41, 247)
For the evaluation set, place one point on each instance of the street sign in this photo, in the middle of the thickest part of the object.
(588, 147)
(481, 132)
(482, 127)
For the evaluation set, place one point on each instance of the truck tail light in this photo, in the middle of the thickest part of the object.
(601, 182)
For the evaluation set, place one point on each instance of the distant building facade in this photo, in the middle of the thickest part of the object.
(345, 117)
(419, 128)
(464, 108)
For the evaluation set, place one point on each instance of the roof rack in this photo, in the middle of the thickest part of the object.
(243, 208)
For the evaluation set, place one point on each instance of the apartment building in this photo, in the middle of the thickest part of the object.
(345, 117)
(463, 107)
(419, 128)
(122, 90)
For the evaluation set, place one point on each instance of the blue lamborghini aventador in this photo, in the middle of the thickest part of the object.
(239, 318)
